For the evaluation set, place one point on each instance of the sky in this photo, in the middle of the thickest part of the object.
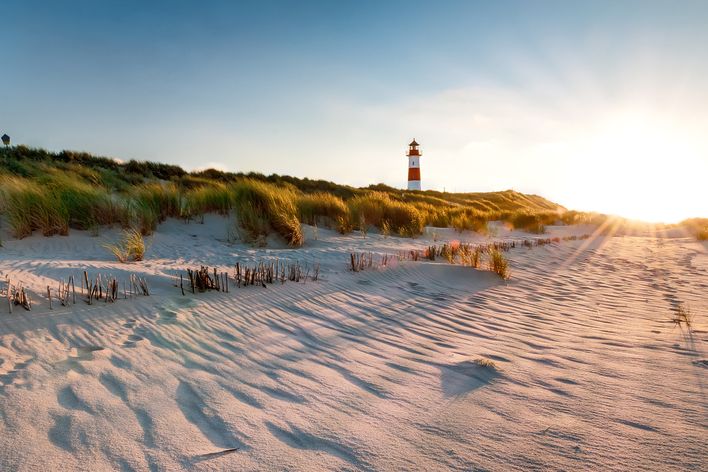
(597, 105)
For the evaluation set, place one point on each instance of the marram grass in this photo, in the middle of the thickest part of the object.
(261, 207)
(131, 246)
(53, 192)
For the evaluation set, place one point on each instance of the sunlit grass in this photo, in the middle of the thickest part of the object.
(210, 198)
(378, 209)
(53, 192)
(261, 207)
(131, 246)
(321, 207)
(152, 203)
(499, 264)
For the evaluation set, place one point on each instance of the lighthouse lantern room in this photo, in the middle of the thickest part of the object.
(413, 166)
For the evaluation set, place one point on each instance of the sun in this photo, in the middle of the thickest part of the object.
(638, 166)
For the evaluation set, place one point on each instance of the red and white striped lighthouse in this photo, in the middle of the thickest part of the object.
(413, 166)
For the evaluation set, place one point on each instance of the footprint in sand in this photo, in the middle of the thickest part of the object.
(128, 337)
(132, 340)
(13, 373)
(76, 356)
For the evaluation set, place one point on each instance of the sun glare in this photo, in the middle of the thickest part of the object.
(642, 168)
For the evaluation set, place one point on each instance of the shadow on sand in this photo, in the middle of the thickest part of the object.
(461, 378)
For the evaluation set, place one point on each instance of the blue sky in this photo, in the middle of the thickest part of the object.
(597, 105)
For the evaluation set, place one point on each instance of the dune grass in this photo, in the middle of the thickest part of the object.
(29, 208)
(131, 246)
(261, 207)
(499, 264)
(210, 198)
(531, 222)
(321, 207)
(697, 227)
(683, 315)
(84, 205)
(53, 192)
(150, 204)
(379, 210)
(53, 204)
(486, 363)
(467, 219)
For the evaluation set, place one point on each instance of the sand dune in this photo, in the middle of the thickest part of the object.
(376, 370)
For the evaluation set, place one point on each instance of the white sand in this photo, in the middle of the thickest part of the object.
(360, 371)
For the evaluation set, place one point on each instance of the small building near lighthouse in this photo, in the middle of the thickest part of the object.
(413, 166)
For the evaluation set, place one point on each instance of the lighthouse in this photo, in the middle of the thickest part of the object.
(413, 166)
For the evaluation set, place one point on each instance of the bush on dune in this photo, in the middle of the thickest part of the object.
(261, 206)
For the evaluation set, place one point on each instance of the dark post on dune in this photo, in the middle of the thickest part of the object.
(5, 139)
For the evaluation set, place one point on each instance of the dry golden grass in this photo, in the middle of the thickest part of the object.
(261, 207)
(499, 264)
(321, 207)
(131, 246)
(377, 209)
(683, 316)
(486, 363)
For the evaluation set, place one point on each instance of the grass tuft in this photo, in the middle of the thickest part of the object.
(131, 246)
(499, 264)
(683, 315)
(486, 363)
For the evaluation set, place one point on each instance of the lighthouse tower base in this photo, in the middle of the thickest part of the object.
(414, 185)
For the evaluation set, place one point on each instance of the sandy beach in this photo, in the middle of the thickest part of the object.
(574, 363)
